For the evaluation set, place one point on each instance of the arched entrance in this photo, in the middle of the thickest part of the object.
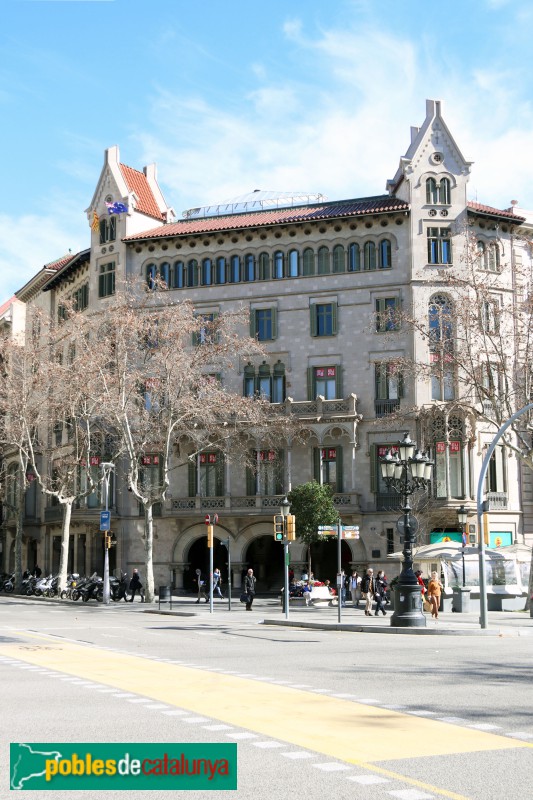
(324, 559)
(198, 558)
(265, 557)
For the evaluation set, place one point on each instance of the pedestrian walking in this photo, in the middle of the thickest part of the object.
(434, 591)
(200, 582)
(381, 592)
(249, 588)
(355, 588)
(422, 585)
(368, 589)
(217, 580)
(136, 586)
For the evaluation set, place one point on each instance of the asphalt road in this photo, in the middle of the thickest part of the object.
(314, 713)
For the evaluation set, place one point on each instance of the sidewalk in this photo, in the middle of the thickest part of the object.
(268, 611)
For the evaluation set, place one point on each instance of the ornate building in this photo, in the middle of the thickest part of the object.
(326, 284)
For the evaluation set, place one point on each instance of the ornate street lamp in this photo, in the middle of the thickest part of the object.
(462, 516)
(406, 472)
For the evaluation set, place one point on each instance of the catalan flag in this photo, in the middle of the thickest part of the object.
(95, 224)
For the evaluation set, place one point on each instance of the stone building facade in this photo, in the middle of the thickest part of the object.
(324, 282)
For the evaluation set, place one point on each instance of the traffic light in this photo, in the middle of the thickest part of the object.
(279, 527)
(210, 536)
(291, 528)
(107, 541)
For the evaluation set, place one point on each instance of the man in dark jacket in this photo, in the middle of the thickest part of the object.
(249, 588)
(136, 586)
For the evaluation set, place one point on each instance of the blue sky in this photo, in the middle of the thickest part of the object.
(227, 96)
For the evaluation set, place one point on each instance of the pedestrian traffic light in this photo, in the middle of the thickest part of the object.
(210, 536)
(291, 528)
(279, 527)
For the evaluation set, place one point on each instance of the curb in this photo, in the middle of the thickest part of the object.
(350, 628)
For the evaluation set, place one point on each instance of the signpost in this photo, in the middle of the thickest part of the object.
(105, 520)
(341, 532)
(211, 521)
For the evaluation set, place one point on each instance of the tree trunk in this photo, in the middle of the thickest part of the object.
(65, 536)
(18, 547)
(149, 590)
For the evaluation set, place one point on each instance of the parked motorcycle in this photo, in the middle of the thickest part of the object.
(118, 587)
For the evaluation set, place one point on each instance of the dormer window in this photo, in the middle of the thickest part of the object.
(438, 193)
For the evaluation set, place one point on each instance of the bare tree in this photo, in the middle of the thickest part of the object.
(163, 383)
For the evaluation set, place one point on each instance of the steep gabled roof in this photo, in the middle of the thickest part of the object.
(137, 183)
(36, 283)
(343, 208)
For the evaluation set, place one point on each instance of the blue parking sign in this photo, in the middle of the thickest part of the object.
(105, 520)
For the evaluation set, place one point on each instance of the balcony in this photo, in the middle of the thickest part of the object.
(385, 407)
(388, 502)
(319, 409)
(497, 501)
(252, 504)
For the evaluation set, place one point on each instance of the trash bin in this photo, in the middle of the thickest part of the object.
(164, 595)
(461, 599)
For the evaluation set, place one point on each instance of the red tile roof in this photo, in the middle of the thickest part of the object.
(494, 212)
(6, 305)
(60, 262)
(136, 182)
(343, 208)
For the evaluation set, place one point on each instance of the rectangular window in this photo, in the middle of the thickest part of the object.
(442, 376)
(324, 319)
(439, 246)
(452, 451)
(106, 280)
(495, 480)
(325, 383)
(81, 297)
(328, 467)
(264, 324)
(387, 309)
(268, 473)
(390, 540)
(204, 334)
(388, 388)
(206, 475)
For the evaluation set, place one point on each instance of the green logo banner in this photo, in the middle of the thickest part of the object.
(131, 766)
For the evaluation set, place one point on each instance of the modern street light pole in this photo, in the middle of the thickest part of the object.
(107, 468)
(285, 507)
(406, 472)
(462, 516)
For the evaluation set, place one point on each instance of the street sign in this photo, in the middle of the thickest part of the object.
(207, 519)
(327, 530)
(105, 520)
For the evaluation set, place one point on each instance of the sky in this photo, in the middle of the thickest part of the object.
(227, 96)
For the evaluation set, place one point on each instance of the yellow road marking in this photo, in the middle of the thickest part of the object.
(348, 731)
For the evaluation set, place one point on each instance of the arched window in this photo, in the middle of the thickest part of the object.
(440, 319)
(207, 272)
(249, 267)
(432, 194)
(151, 273)
(164, 273)
(385, 254)
(308, 261)
(294, 259)
(176, 275)
(192, 272)
(221, 270)
(369, 256)
(354, 257)
(494, 257)
(278, 382)
(444, 191)
(264, 267)
(235, 269)
(323, 261)
(338, 258)
(482, 255)
(278, 264)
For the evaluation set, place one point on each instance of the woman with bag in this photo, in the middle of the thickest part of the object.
(379, 596)
(434, 591)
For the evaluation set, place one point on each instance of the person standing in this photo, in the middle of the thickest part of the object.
(136, 586)
(434, 591)
(368, 588)
(355, 588)
(249, 588)
(200, 582)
